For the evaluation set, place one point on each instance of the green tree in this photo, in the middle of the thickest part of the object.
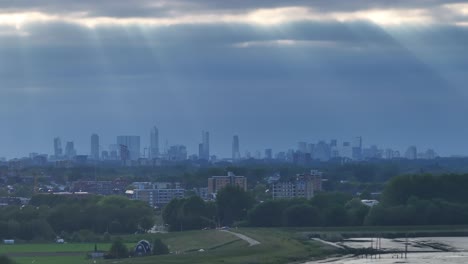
(118, 250)
(146, 223)
(301, 215)
(267, 214)
(233, 204)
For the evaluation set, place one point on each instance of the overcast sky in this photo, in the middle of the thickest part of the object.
(273, 72)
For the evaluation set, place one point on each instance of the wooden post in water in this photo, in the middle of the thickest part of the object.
(406, 247)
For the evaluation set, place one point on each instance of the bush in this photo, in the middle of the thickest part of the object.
(6, 260)
(159, 248)
(118, 250)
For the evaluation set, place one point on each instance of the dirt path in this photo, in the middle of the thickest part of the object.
(251, 241)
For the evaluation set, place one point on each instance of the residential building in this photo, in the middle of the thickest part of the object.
(116, 186)
(158, 197)
(302, 186)
(216, 183)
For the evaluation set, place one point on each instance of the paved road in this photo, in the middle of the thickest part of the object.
(251, 241)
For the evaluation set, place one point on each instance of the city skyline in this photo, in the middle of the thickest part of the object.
(351, 147)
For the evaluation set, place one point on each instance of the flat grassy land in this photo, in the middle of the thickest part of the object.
(277, 245)
(75, 253)
(41, 248)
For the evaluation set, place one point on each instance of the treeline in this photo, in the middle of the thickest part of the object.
(423, 200)
(324, 209)
(406, 200)
(48, 216)
(231, 205)
(234, 206)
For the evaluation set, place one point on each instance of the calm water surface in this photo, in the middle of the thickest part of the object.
(433, 256)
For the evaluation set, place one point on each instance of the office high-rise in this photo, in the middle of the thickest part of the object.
(70, 151)
(411, 153)
(357, 148)
(235, 148)
(302, 147)
(204, 149)
(132, 144)
(154, 143)
(94, 147)
(268, 154)
(58, 152)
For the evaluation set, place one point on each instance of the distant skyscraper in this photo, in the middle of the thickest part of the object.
(94, 147)
(154, 143)
(177, 153)
(200, 151)
(310, 149)
(411, 153)
(322, 151)
(58, 152)
(205, 146)
(357, 148)
(70, 151)
(268, 154)
(346, 150)
(302, 147)
(133, 145)
(235, 148)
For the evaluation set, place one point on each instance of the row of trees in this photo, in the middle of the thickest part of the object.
(49, 216)
(423, 200)
(325, 209)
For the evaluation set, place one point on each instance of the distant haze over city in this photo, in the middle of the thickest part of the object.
(272, 72)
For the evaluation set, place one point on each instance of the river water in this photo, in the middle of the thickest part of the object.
(428, 250)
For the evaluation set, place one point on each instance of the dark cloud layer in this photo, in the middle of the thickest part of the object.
(163, 8)
(271, 85)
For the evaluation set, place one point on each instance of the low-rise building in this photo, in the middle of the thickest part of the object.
(116, 186)
(302, 186)
(157, 197)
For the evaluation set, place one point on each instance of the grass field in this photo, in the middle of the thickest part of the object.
(40, 248)
(276, 246)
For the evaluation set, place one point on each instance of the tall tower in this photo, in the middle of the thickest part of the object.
(205, 145)
(235, 148)
(95, 147)
(154, 143)
(58, 152)
(70, 151)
